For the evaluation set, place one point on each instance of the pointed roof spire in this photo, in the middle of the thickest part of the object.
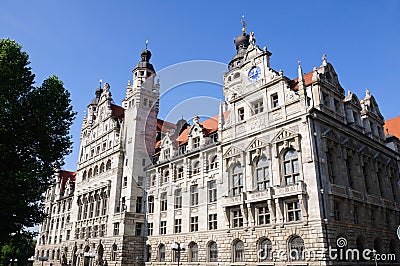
(300, 73)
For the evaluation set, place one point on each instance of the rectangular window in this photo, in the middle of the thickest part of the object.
(257, 107)
(153, 180)
(139, 203)
(325, 99)
(178, 199)
(116, 229)
(104, 211)
(139, 227)
(264, 215)
(237, 218)
(91, 209)
(212, 191)
(178, 226)
(125, 181)
(293, 211)
(150, 204)
(150, 229)
(237, 184)
(263, 180)
(166, 154)
(241, 114)
(82, 234)
(274, 100)
(68, 235)
(102, 230)
(182, 149)
(163, 201)
(212, 221)
(196, 142)
(95, 229)
(180, 173)
(85, 210)
(194, 224)
(194, 195)
(97, 213)
(77, 233)
(163, 227)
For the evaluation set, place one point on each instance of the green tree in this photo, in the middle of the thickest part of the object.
(34, 138)
(18, 250)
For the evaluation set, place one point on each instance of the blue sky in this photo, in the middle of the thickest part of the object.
(84, 41)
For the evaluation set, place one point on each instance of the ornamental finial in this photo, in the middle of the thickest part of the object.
(147, 44)
(244, 23)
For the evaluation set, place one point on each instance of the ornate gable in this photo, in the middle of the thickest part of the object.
(331, 135)
(284, 134)
(256, 143)
(232, 152)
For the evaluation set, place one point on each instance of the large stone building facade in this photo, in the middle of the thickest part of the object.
(288, 170)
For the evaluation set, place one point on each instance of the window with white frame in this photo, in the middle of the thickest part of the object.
(291, 167)
(241, 114)
(212, 221)
(163, 227)
(150, 204)
(180, 172)
(274, 100)
(212, 191)
(161, 253)
(163, 201)
(178, 226)
(264, 216)
(257, 107)
(214, 162)
(193, 252)
(237, 218)
(297, 249)
(262, 174)
(293, 211)
(150, 227)
(178, 198)
(237, 180)
(196, 142)
(196, 168)
(194, 195)
(194, 223)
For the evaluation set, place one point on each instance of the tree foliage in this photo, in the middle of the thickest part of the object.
(20, 247)
(34, 138)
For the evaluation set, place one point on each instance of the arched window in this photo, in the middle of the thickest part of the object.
(96, 170)
(237, 180)
(108, 165)
(265, 250)
(367, 177)
(212, 252)
(262, 174)
(58, 254)
(53, 254)
(84, 176)
(102, 168)
(90, 173)
(349, 169)
(214, 162)
(193, 252)
(161, 252)
(296, 248)
(196, 168)
(238, 250)
(332, 164)
(291, 167)
(114, 252)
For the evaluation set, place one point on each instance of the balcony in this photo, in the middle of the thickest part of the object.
(233, 200)
(291, 190)
(262, 195)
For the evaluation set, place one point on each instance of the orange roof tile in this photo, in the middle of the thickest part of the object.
(392, 126)
(307, 80)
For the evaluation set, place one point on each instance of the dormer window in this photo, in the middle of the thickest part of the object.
(182, 149)
(166, 154)
(196, 142)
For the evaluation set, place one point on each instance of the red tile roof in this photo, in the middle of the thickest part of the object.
(210, 126)
(392, 126)
(164, 126)
(117, 111)
(65, 176)
(294, 84)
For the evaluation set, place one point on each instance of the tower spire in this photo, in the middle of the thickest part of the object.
(300, 74)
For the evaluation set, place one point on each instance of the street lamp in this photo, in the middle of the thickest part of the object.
(178, 247)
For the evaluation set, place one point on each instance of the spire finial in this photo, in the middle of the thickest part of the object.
(100, 81)
(147, 44)
(324, 61)
(244, 24)
(300, 73)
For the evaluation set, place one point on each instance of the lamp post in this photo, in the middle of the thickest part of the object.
(178, 247)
